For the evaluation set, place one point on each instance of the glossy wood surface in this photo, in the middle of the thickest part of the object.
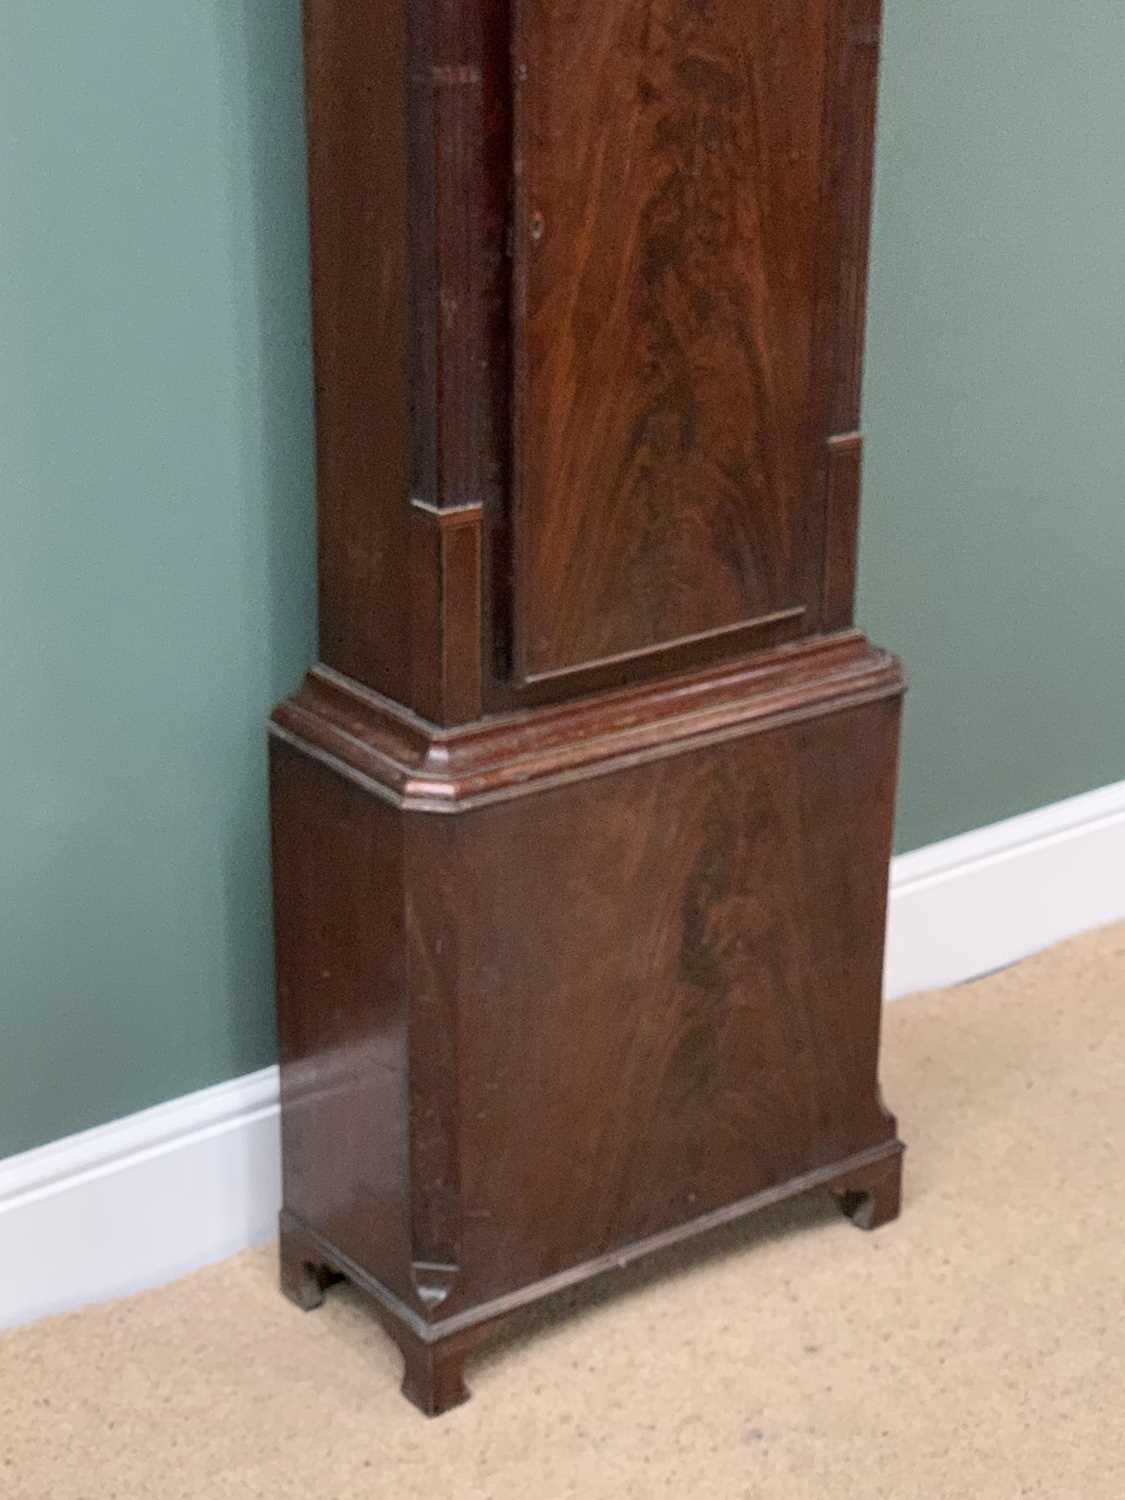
(343, 1012)
(713, 1033)
(415, 765)
(669, 227)
(359, 207)
(581, 1017)
(582, 823)
(590, 278)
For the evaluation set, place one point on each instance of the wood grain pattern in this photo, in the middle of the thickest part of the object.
(638, 396)
(524, 1042)
(668, 225)
(582, 823)
(714, 1032)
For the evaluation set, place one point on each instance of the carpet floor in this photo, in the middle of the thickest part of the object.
(974, 1349)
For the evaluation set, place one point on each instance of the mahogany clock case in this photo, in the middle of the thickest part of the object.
(582, 823)
(588, 294)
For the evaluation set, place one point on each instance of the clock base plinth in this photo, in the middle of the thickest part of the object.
(434, 1360)
(559, 989)
(433, 1376)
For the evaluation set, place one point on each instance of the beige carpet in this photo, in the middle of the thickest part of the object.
(974, 1349)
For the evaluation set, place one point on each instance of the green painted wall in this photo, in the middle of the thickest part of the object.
(156, 561)
(993, 542)
(156, 585)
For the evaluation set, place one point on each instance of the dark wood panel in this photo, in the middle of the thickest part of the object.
(580, 852)
(342, 1007)
(669, 158)
(548, 1033)
(712, 1032)
(848, 186)
(845, 474)
(460, 163)
(847, 200)
(355, 59)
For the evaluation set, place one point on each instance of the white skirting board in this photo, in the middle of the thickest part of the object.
(971, 904)
(151, 1197)
(139, 1201)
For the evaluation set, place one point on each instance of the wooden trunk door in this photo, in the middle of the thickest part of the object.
(684, 172)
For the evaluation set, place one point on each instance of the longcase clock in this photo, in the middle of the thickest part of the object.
(582, 822)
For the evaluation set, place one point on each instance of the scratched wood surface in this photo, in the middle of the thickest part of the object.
(669, 155)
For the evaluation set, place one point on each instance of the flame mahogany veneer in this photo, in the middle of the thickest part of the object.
(582, 823)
